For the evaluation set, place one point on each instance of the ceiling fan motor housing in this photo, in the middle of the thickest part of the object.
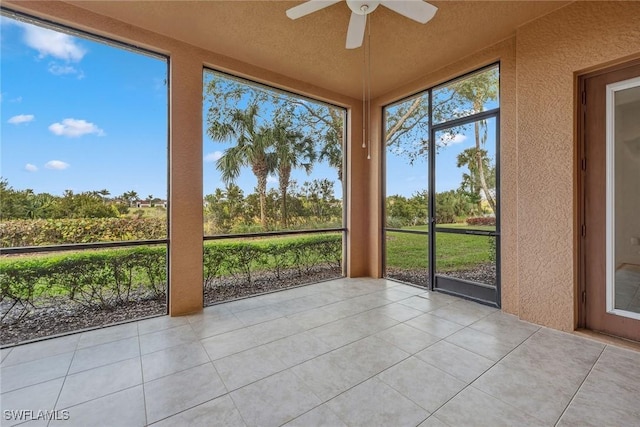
(363, 7)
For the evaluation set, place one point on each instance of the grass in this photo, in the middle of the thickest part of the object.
(263, 241)
(453, 251)
(154, 212)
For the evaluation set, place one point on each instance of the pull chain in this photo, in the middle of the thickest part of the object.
(364, 98)
(369, 87)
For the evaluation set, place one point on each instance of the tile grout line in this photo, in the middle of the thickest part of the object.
(144, 393)
(332, 350)
(447, 373)
(580, 386)
(354, 386)
(75, 349)
(182, 370)
(479, 376)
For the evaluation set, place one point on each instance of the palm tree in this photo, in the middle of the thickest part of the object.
(292, 151)
(333, 138)
(471, 181)
(479, 89)
(252, 149)
(130, 196)
(103, 194)
(38, 205)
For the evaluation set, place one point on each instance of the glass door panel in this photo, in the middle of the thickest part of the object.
(623, 198)
(406, 228)
(466, 208)
(466, 257)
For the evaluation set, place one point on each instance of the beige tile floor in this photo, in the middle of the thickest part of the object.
(349, 352)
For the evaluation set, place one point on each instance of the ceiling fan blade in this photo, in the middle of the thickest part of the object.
(309, 7)
(417, 10)
(355, 33)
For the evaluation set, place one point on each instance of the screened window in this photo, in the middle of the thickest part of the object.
(84, 169)
(273, 188)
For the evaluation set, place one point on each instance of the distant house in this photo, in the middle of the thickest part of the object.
(150, 203)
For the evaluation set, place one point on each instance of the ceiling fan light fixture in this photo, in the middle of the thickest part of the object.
(362, 7)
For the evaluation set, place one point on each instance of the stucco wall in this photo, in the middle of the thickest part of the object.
(549, 53)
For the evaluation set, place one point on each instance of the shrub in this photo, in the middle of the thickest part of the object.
(19, 285)
(17, 233)
(242, 258)
(394, 222)
(101, 279)
(482, 220)
(109, 277)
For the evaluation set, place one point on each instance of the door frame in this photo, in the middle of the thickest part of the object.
(580, 174)
(465, 289)
(479, 292)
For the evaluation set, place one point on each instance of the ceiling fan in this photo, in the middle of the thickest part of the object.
(417, 10)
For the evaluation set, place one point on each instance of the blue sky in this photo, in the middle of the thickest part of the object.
(80, 115)
(406, 179)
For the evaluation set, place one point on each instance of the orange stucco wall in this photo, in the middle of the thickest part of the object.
(550, 52)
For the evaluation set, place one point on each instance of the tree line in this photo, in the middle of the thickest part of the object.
(310, 205)
(27, 204)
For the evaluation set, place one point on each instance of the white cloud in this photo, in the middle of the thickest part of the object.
(52, 43)
(17, 99)
(450, 139)
(21, 118)
(212, 157)
(60, 70)
(56, 165)
(272, 179)
(74, 128)
(30, 168)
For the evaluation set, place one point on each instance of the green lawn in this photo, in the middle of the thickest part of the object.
(453, 251)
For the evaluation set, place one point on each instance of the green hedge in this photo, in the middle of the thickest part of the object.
(223, 259)
(38, 232)
(108, 277)
(103, 278)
